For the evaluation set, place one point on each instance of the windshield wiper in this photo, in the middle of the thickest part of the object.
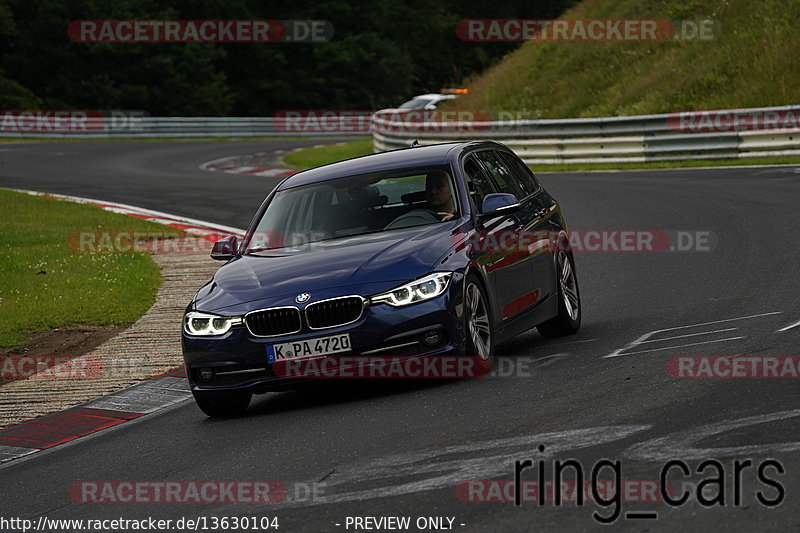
(259, 249)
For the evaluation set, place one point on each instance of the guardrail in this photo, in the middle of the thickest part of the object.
(723, 134)
(79, 124)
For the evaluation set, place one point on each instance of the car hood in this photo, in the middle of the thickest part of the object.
(375, 262)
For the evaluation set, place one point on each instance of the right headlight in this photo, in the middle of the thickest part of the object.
(415, 291)
(205, 324)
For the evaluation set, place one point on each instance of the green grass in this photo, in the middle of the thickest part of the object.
(44, 284)
(314, 157)
(751, 63)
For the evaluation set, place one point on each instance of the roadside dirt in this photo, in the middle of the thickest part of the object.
(69, 341)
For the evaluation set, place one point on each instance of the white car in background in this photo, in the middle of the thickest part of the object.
(432, 100)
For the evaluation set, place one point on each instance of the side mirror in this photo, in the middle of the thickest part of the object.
(498, 204)
(225, 249)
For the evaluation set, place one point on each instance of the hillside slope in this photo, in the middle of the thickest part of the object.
(752, 62)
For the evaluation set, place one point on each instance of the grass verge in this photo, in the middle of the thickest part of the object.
(45, 285)
(314, 157)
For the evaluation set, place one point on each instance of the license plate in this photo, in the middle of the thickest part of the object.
(308, 348)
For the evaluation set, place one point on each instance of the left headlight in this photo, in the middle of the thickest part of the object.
(419, 290)
(204, 324)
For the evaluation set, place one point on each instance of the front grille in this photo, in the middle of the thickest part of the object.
(334, 312)
(272, 322)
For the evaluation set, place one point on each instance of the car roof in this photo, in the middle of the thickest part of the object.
(440, 96)
(435, 154)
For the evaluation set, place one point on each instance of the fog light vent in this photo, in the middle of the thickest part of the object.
(206, 374)
(432, 338)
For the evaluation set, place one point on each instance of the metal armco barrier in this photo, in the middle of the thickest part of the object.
(721, 134)
(76, 124)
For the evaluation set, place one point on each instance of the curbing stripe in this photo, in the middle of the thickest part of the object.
(95, 415)
(258, 171)
(189, 224)
(231, 165)
(145, 397)
(57, 428)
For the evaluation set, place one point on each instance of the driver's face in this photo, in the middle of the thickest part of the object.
(437, 191)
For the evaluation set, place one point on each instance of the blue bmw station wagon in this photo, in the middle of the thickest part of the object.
(424, 252)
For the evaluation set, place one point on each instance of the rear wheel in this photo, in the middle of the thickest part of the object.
(478, 322)
(568, 320)
(222, 404)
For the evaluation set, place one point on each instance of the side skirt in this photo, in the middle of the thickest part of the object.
(542, 312)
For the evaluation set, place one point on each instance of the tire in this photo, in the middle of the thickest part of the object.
(222, 404)
(478, 324)
(568, 320)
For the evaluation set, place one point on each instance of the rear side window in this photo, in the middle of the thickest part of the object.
(523, 174)
(501, 174)
(477, 181)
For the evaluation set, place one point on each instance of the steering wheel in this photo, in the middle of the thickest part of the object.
(416, 217)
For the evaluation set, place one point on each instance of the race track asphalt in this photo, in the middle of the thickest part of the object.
(378, 449)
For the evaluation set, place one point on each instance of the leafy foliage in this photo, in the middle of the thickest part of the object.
(382, 53)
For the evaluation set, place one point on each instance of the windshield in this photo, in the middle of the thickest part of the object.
(416, 103)
(356, 205)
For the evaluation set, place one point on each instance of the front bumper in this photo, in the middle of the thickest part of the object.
(239, 360)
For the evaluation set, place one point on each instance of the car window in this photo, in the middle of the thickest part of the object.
(478, 182)
(416, 103)
(523, 174)
(396, 188)
(500, 173)
(356, 205)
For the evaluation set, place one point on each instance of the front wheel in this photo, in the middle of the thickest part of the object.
(568, 320)
(477, 315)
(222, 404)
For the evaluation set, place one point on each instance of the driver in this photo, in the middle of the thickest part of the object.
(439, 195)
